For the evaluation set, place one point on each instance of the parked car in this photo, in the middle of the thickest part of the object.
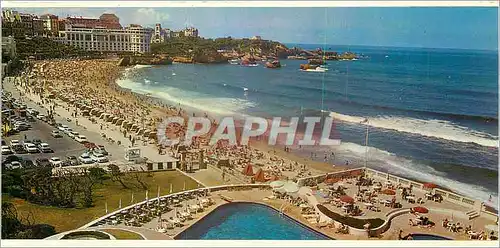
(45, 148)
(6, 150)
(81, 139)
(14, 143)
(30, 148)
(102, 150)
(14, 165)
(37, 141)
(73, 134)
(55, 162)
(99, 158)
(41, 117)
(85, 159)
(62, 127)
(56, 134)
(68, 130)
(72, 160)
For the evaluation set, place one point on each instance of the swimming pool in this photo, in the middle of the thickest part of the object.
(421, 236)
(249, 221)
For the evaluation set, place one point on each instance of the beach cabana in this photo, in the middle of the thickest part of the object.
(346, 199)
(259, 176)
(420, 209)
(248, 170)
(388, 192)
(223, 163)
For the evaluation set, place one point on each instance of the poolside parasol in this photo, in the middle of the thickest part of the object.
(291, 187)
(430, 185)
(347, 199)
(388, 192)
(421, 210)
(248, 171)
(259, 176)
(277, 184)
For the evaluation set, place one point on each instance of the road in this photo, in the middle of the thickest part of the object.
(64, 146)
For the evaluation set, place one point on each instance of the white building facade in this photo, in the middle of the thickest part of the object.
(130, 39)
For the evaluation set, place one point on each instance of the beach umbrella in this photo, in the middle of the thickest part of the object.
(277, 184)
(291, 187)
(106, 207)
(259, 176)
(248, 171)
(132, 200)
(388, 192)
(347, 199)
(170, 188)
(147, 201)
(120, 204)
(420, 209)
(184, 186)
(430, 185)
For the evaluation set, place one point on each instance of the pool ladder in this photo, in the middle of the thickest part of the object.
(282, 208)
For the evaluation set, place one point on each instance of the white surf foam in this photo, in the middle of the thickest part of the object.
(217, 106)
(418, 171)
(430, 128)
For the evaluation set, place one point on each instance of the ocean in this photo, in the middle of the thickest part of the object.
(432, 113)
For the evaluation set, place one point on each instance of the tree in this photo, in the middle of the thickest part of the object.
(117, 175)
(15, 226)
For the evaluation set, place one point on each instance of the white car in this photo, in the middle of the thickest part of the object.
(81, 139)
(15, 165)
(14, 143)
(30, 148)
(62, 127)
(6, 150)
(73, 134)
(85, 159)
(41, 117)
(99, 158)
(44, 147)
(55, 161)
(68, 130)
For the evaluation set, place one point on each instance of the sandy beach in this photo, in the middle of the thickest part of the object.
(93, 83)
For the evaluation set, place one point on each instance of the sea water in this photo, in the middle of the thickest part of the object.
(432, 113)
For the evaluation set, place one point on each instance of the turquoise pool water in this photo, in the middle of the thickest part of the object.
(418, 236)
(249, 221)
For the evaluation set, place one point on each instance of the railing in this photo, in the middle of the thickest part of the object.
(447, 195)
(152, 200)
(322, 177)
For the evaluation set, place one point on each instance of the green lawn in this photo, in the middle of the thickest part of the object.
(110, 192)
(122, 234)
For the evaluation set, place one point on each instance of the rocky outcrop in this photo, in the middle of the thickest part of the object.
(208, 57)
(145, 60)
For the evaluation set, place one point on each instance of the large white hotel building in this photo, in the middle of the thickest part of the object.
(105, 35)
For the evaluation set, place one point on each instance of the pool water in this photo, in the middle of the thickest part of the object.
(417, 236)
(249, 221)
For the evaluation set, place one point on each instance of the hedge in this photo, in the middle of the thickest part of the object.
(350, 221)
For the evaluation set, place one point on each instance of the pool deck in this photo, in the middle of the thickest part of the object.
(260, 196)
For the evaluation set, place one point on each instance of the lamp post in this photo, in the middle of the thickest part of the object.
(366, 141)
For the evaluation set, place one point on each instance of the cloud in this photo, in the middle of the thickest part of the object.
(148, 16)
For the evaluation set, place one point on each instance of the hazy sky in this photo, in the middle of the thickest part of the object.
(469, 28)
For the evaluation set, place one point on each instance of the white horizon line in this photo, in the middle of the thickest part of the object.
(246, 4)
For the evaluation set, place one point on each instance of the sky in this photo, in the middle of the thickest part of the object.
(430, 27)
